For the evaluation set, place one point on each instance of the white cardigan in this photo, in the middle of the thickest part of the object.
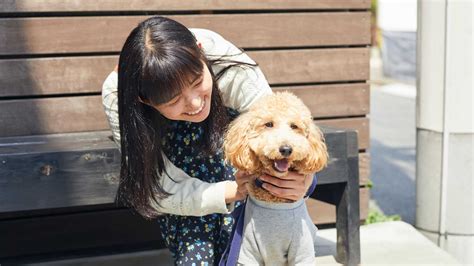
(240, 87)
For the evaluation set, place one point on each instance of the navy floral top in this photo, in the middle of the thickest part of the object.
(196, 240)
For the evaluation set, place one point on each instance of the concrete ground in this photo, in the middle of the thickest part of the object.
(381, 244)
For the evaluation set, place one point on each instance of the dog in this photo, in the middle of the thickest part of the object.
(275, 136)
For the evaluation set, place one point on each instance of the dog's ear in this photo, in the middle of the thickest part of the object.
(318, 156)
(236, 144)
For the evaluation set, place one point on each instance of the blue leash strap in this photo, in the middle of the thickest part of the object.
(312, 187)
(231, 252)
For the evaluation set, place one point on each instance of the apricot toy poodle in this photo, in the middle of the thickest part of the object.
(275, 136)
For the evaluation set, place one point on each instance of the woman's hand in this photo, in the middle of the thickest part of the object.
(238, 190)
(293, 186)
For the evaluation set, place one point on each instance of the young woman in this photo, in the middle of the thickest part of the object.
(168, 106)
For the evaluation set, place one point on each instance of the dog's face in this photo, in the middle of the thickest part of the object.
(275, 136)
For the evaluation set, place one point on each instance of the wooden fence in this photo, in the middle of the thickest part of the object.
(54, 56)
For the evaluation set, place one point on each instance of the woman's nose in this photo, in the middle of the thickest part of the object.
(196, 102)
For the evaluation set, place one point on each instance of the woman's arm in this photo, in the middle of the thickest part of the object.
(241, 85)
(191, 196)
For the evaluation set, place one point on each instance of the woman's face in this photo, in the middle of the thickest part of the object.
(194, 102)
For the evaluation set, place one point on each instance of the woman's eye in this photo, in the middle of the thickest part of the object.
(197, 83)
(173, 102)
(293, 126)
(269, 124)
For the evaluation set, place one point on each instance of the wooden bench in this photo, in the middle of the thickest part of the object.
(58, 166)
(57, 197)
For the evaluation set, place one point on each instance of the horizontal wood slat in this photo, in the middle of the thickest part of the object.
(51, 115)
(76, 114)
(16, 6)
(325, 213)
(314, 65)
(360, 124)
(47, 76)
(59, 35)
(62, 75)
(333, 100)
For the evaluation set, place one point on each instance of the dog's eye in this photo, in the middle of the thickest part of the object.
(293, 126)
(269, 124)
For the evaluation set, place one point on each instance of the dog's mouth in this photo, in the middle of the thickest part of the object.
(281, 165)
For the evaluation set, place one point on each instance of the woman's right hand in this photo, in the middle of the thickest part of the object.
(237, 190)
(242, 178)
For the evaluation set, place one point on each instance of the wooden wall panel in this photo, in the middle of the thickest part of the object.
(60, 75)
(55, 55)
(17, 6)
(360, 124)
(325, 213)
(85, 113)
(333, 100)
(107, 34)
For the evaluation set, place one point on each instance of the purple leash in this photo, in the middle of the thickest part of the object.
(231, 252)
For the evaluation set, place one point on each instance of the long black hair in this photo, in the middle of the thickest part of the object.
(159, 58)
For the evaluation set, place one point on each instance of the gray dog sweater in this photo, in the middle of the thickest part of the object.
(277, 234)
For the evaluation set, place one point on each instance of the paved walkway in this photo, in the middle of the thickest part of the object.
(392, 150)
(392, 144)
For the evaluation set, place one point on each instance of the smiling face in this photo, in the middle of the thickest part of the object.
(193, 103)
(280, 142)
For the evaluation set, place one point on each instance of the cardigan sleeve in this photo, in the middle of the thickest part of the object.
(190, 196)
(241, 85)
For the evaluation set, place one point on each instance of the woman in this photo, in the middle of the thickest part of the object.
(168, 106)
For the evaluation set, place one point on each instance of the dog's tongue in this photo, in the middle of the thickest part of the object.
(281, 165)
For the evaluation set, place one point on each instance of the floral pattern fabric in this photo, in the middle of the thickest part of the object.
(195, 240)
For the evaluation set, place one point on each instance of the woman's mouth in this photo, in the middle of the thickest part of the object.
(203, 103)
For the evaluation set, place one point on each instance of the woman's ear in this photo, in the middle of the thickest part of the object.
(236, 144)
(199, 44)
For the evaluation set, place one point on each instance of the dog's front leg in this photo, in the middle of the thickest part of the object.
(302, 249)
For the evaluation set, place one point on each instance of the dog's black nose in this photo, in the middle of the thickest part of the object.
(286, 150)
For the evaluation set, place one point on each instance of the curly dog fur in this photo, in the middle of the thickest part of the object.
(275, 136)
